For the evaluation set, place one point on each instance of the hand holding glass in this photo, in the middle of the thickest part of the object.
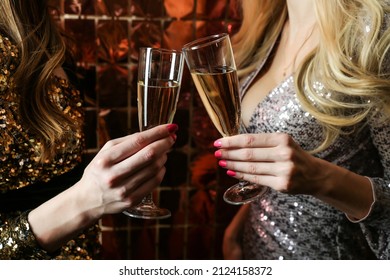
(213, 70)
(159, 79)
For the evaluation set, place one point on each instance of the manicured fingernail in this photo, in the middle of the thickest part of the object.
(222, 163)
(218, 144)
(218, 154)
(172, 127)
(174, 137)
(231, 173)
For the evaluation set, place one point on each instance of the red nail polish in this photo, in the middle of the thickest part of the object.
(218, 144)
(172, 127)
(218, 154)
(231, 173)
(222, 163)
(174, 137)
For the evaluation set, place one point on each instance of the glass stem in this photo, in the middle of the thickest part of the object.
(242, 183)
(148, 199)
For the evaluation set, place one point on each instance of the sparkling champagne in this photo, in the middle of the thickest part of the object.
(157, 102)
(218, 90)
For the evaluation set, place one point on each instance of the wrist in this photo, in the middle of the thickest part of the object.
(345, 190)
(324, 179)
(86, 204)
(61, 218)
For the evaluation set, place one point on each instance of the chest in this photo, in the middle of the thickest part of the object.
(280, 111)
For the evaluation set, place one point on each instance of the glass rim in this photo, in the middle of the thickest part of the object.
(204, 41)
(162, 50)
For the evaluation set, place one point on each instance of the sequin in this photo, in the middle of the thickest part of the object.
(282, 226)
(20, 167)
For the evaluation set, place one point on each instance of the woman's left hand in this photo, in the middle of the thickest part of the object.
(271, 159)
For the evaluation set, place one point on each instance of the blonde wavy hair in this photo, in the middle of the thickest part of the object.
(352, 59)
(42, 50)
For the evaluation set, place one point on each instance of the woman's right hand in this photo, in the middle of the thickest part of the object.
(120, 175)
(126, 169)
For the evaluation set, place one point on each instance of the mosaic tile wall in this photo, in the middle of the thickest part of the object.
(108, 34)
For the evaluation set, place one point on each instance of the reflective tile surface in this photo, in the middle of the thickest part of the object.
(108, 34)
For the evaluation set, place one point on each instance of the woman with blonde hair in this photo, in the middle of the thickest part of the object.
(315, 87)
(47, 198)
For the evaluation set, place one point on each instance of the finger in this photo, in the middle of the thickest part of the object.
(253, 154)
(124, 197)
(136, 195)
(153, 155)
(147, 136)
(253, 140)
(118, 149)
(259, 168)
(274, 182)
(145, 173)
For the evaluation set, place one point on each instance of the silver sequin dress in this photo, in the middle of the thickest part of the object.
(282, 226)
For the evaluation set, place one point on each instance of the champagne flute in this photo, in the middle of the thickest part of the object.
(159, 79)
(213, 70)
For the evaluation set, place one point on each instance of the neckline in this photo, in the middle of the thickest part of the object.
(288, 79)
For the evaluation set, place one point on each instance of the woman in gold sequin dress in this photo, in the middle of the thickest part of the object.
(47, 198)
(315, 85)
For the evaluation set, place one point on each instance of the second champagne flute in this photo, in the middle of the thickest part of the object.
(213, 70)
(159, 79)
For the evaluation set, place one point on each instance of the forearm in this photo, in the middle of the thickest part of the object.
(237, 223)
(346, 191)
(61, 218)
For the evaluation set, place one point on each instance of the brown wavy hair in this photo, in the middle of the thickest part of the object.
(42, 49)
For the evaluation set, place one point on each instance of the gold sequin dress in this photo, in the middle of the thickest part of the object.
(25, 182)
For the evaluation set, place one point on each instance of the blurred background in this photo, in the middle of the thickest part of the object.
(108, 34)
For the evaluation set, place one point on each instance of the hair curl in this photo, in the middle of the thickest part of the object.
(352, 59)
(42, 49)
